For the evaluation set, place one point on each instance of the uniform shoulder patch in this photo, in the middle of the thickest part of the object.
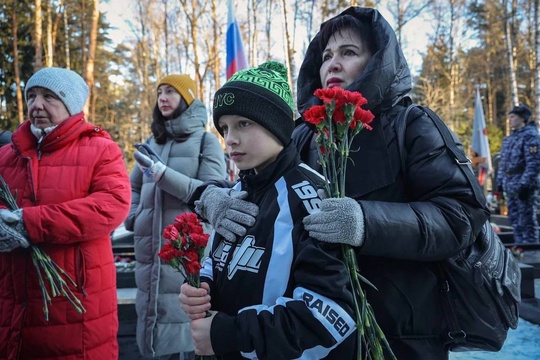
(533, 149)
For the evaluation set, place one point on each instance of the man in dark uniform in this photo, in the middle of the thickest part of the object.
(518, 173)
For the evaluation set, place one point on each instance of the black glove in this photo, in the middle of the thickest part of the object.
(500, 189)
(524, 192)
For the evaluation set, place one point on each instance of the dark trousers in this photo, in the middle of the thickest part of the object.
(523, 215)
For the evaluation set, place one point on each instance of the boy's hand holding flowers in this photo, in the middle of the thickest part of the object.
(195, 301)
(200, 332)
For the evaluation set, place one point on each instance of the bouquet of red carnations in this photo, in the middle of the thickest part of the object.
(184, 249)
(337, 122)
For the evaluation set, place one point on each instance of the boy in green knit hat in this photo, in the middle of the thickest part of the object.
(274, 292)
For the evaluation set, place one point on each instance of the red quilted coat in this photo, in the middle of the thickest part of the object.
(74, 190)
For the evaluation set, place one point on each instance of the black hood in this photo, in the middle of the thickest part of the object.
(385, 80)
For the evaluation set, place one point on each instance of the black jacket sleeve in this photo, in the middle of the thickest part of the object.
(443, 216)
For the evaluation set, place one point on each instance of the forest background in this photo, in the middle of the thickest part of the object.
(492, 45)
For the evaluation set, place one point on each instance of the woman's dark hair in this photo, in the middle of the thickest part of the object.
(158, 121)
(344, 22)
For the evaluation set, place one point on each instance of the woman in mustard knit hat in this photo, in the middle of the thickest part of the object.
(179, 156)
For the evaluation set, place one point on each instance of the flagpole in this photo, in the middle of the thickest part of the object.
(480, 142)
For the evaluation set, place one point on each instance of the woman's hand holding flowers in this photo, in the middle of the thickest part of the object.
(340, 220)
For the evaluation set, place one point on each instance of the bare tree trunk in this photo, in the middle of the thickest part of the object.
(215, 48)
(14, 29)
(325, 13)
(38, 58)
(536, 23)
(156, 51)
(289, 44)
(400, 20)
(166, 34)
(453, 67)
(49, 49)
(491, 90)
(145, 105)
(89, 68)
(253, 33)
(83, 31)
(193, 13)
(56, 23)
(66, 37)
(510, 52)
(310, 23)
(268, 28)
(194, 37)
(406, 11)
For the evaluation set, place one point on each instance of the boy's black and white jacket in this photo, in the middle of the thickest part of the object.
(280, 294)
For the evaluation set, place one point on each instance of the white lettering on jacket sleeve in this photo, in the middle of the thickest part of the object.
(332, 316)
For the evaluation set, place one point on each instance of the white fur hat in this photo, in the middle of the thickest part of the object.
(69, 86)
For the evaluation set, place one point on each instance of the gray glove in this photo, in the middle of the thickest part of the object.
(14, 219)
(225, 210)
(12, 231)
(339, 221)
(152, 169)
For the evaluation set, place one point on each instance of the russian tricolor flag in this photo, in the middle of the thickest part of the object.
(236, 58)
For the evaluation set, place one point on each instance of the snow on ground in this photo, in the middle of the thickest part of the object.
(521, 344)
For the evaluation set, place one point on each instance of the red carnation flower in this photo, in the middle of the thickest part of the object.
(315, 114)
(171, 232)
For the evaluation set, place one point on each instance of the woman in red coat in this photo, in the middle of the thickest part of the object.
(73, 191)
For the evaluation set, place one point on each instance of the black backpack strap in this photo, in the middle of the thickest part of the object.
(201, 152)
(457, 154)
(401, 126)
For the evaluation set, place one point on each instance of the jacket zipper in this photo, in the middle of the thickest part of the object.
(39, 151)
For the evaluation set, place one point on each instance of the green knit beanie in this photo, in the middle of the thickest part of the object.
(261, 94)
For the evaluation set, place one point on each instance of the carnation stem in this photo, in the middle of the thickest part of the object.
(44, 293)
(334, 140)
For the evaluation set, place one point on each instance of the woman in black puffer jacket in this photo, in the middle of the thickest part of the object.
(405, 220)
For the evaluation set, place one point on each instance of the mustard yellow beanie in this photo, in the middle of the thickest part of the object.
(183, 84)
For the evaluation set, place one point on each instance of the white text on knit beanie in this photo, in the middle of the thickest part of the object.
(69, 86)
